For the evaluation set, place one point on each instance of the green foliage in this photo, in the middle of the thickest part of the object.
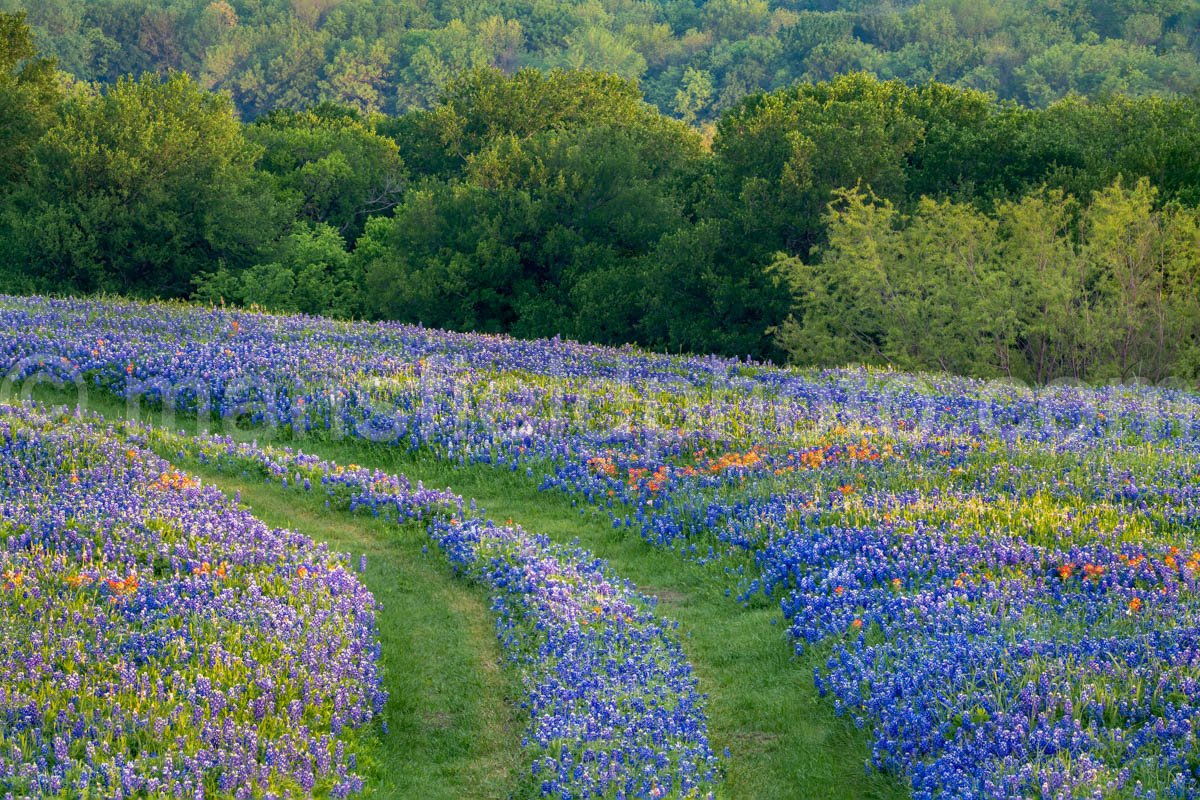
(394, 56)
(703, 295)
(1054, 317)
(29, 90)
(779, 156)
(484, 105)
(1081, 146)
(313, 274)
(844, 299)
(850, 219)
(139, 189)
(1143, 262)
(332, 163)
(694, 96)
(1034, 291)
(539, 231)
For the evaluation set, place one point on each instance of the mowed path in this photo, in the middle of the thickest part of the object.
(785, 740)
(454, 731)
(455, 727)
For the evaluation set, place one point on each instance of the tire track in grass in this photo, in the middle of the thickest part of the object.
(454, 730)
(786, 741)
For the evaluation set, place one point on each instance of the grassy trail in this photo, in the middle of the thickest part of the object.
(785, 740)
(454, 731)
(459, 735)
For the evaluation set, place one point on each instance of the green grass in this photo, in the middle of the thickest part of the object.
(454, 730)
(785, 740)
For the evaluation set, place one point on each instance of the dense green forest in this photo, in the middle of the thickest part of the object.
(854, 218)
(693, 59)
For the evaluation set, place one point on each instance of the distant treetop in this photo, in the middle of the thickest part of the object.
(692, 59)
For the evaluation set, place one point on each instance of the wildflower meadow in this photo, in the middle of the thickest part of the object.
(1001, 581)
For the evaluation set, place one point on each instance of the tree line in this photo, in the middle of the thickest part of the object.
(694, 60)
(1041, 288)
(852, 219)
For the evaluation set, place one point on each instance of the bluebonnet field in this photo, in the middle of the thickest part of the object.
(613, 705)
(614, 709)
(1004, 580)
(155, 640)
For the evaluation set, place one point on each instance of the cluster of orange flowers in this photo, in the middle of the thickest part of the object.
(809, 459)
(206, 568)
(816, 458)
(1096, 571)
(602, 466)
(304, 572)
(1193, 562)
(1091, 571)
(734, 460)
(813, 458)
(123, 587)
(862, 452)
(78, 579)
(658, 479)
(1170, 560)
(745, 460)
(175, 480)
(13, 579)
